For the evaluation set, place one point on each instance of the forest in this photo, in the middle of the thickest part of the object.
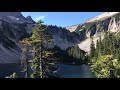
(105, 58)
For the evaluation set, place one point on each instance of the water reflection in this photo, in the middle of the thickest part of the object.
(75, 71)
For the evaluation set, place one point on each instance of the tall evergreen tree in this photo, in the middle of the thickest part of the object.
(77, 54)
(101, 47)
(104, 43)
(107, 63)
(92, 48)
(39, 41)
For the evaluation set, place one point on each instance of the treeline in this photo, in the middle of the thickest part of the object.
(77, 55)
(71, 55)
(105, 58)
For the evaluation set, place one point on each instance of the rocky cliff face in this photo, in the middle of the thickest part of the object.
(13, 27)
(15, 17)
(96, 27)
(29, 19)
(62, 37)
(72, 28)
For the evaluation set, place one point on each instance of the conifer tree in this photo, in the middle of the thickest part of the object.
(97, 51)
(39, 41)
(25, 58)
(118, 54)
(77, 54)
(101, 47)
(92, 48)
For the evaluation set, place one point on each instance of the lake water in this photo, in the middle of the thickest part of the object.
(65, 71)
(8, 69)
(75, 71)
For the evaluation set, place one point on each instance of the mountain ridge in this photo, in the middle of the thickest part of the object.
(12, 30)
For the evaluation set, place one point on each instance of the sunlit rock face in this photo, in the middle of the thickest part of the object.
(62, 37)
(102, 16)
(72, 28)
(97, 27)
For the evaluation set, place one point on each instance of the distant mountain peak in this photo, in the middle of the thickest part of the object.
(15, 17)
(29, 18)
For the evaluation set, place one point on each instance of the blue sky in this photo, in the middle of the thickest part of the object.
(62, 18)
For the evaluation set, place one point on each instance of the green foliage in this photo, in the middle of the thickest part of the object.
(92, 49)
(72, 54)
(106, 67)
(76, 54)
(117, 17)
(14, 75)
(87, 26)
(39, 41)
(106, 60)
(118, 54)
(108, 46)
(90, 25)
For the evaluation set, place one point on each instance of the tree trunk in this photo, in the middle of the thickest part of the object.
(41, 71)
(41, 76)
(27, 61)
(26, 69)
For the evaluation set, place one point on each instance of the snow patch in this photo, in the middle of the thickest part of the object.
(17, 18)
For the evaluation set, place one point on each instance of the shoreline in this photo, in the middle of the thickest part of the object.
(72, 63)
